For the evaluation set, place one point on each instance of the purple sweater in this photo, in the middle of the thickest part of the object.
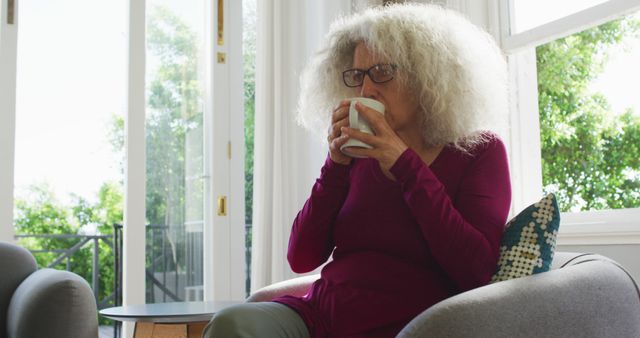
(398, 247)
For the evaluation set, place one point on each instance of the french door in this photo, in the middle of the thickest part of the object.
(183, 139)
(193, 105)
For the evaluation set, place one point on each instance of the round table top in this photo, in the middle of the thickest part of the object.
(179, 312)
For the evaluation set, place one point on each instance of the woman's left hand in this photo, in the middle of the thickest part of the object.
(387, 145)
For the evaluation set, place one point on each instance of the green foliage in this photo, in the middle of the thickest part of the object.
(41, 213)
(175, 111)
(589, 153)
(115, 137)
(249, 70)
(249, 63)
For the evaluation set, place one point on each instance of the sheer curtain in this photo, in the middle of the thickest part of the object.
(287, 158)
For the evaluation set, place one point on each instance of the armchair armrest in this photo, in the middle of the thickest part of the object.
(53, 303)
(295, 287)
(592, 298)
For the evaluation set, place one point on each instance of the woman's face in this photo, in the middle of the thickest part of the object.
(401, 108)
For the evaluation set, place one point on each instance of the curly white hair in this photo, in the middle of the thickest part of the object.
(455, 69)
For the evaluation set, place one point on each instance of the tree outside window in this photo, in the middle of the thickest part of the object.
(590, 153)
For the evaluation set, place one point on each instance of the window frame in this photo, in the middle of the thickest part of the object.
(578, 228)
(8, 61)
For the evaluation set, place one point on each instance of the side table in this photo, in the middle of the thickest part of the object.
(164, 320)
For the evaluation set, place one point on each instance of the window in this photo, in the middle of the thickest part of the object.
(249, 67)
(175, 151)
(89, 82)
(589, 120)
(194, 147)
(545, 11)
(575, 117)
(69, 95)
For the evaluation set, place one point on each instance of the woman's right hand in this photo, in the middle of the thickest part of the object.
(339, 119)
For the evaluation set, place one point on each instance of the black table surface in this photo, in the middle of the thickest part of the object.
(177, 312)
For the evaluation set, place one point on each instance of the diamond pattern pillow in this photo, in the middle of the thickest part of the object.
(529, 241)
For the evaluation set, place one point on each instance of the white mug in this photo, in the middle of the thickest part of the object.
(358, 122)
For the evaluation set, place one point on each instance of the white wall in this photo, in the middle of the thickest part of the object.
(625, 254)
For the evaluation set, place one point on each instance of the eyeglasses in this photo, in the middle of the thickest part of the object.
(380, 73)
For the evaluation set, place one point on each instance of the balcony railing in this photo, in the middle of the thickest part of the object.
(64, 256)
(169, 277)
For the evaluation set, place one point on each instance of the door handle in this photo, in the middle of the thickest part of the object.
(11, 7)
(222, 206)
(220, 22)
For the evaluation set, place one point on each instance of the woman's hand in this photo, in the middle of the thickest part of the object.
(339, 119)
(387, 145)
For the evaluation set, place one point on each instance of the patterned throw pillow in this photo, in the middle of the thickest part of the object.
(529, 241)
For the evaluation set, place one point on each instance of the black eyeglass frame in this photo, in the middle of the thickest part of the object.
(368, 73)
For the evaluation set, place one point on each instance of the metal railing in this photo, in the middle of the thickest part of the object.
(64, 255)
(172, 263)
(162, 272)
(247, 256)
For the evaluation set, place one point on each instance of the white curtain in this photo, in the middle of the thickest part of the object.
(287, 158)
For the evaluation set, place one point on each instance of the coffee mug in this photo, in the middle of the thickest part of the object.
(358, 122)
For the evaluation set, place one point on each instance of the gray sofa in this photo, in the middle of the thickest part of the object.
(583, 295)
(43, 302)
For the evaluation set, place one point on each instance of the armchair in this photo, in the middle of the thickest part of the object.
(43, 302)
(583, 295)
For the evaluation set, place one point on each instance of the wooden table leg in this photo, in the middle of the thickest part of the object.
(170, 330)
(173, 330)
(143, 330)
(194, 330)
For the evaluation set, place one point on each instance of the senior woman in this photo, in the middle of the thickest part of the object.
(419, 216)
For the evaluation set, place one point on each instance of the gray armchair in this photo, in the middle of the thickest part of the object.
(45, 302)
(584, 295)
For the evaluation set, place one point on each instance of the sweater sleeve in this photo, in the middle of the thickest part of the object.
(463, 236)
(311, 240)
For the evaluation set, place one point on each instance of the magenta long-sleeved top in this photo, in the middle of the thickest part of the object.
(398, 246)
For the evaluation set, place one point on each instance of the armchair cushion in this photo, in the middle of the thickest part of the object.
(16, 263)
(529, 241)
(295, 287)
(52, 303)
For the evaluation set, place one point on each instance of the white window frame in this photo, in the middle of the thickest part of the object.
(8, 59)
(578, 228)
(223, 257)
(224, 277)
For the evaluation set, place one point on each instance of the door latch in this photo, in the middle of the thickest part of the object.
(222, 206)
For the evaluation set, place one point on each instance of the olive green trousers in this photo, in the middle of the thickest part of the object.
(253, 320)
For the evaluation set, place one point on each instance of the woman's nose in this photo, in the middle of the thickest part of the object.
(368, 88)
